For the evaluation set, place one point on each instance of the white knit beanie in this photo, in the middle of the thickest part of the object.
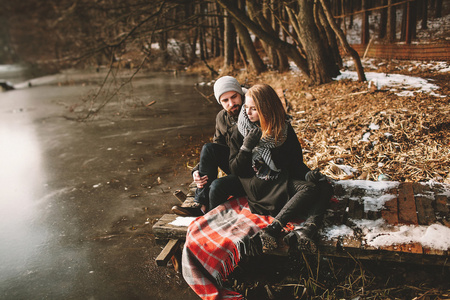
(226, 84)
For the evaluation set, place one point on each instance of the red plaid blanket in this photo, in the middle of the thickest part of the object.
(215, 244)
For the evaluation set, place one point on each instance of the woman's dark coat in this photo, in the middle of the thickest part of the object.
(267, 197)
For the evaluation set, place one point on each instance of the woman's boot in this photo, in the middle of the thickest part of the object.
(269, 235)
(304, 238)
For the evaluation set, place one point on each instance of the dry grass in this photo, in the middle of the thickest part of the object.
(314, 277)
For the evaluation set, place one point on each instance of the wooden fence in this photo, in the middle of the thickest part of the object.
(438, 52)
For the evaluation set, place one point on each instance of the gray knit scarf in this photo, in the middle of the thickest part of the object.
(262, 161)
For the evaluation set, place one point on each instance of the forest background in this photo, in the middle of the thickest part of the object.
(299, 47)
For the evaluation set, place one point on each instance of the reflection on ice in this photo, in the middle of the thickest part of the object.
(21, 185)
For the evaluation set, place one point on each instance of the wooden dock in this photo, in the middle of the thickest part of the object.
(349, 229)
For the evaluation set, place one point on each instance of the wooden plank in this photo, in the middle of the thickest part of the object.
(407, 214)
(328, 245)
(163, 230)
(390, 211)
(350, 243)
(337, 212)
(394, 256)
(180, 195)
(391, 51)
(442, 209)
(188, 202)
(355, 209)
(406, 204)
(372, 215)
(424, 204)
(435, 252)
(169, 250)
(406, 248)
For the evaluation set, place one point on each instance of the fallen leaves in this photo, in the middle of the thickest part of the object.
(375, 133)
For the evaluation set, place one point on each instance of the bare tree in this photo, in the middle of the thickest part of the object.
(344, 43)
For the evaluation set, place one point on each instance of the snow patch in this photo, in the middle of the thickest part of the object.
(375, 195)
(182, 221)
(379, 234)
(401, 85)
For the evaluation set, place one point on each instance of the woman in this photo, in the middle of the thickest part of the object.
(267, 157)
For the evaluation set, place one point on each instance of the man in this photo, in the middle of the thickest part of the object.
(212, 191)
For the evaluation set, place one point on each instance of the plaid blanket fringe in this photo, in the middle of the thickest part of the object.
(215, 243)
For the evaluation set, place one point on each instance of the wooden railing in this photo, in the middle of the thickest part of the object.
(438, 52)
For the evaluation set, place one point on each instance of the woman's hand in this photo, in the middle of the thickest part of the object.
(252, 139)
(315, 176)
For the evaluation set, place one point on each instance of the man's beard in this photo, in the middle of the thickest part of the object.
(233, 111)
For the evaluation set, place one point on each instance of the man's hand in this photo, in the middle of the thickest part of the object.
(200, 181)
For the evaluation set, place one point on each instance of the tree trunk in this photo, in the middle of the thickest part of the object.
(202, 44)
(273, 41)
(411, 21)
(334, 57)
(217, 34)
(283, 63)
(424, 14)
(256, 62)
(229, 42)
(365, 33)
(253, 16)
(438, 11)
(350, 25)
(310, 39)
(296, 27)
(404, 22)
(344, 43)
(266, 20)
(221, 29)
(383, 21)
(193, 56)
(392, 19)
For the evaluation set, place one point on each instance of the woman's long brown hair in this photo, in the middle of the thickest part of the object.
(272, 115)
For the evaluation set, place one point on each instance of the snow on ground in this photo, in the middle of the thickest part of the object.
(375, 195)
(380, 234)
(182, 221)
(401, 85)
(10, 68)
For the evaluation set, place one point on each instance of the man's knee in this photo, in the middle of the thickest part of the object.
(216, 186)
(207, 148)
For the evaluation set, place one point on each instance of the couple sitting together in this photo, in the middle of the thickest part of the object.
(256, 146)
